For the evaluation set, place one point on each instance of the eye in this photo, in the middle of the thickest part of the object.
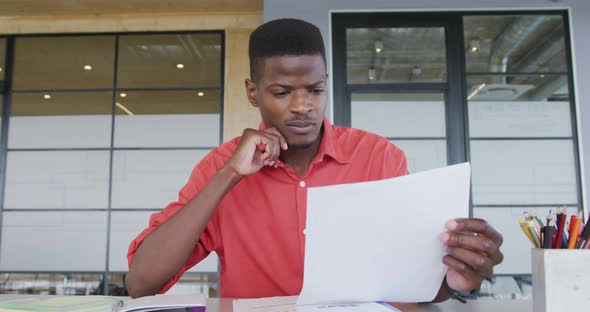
(280, 93)
(317, 91)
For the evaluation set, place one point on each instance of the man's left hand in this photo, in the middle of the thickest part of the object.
(473, 249)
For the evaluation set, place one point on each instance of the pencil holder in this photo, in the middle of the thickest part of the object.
(561, 279)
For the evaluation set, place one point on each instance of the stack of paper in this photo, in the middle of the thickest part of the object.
(288, 304)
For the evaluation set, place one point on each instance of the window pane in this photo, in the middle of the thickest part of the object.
(424, 154)
(43, 63)
(168, 119)
(399, 115)
(58, 179)
(151, 179)
(125, 226)
(2, 57)
(117, 285)
(510, 43)
(523, 172)
(209, 264)
(53, 241)
(517, 88)
(516, 247)
(519, 106)
(51, 284)
(191, 283)
(185, 60)
(65, 120)
(404, 54)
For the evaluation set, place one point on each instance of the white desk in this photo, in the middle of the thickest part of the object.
(486, 305)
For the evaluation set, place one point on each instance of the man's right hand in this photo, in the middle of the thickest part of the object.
(257, 148)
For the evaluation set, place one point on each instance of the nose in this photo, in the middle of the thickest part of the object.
(301, 102)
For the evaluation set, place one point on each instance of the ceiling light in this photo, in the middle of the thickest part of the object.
(200, 93)
(0, 68)
(416, 70)
(47, 96)
(474, 45)
(121, 106)
(372, 73)
(122, 95)
(179, 65)
(378, 46)
(87, 67)
(475, 91)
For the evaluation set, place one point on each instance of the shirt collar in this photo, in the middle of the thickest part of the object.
(328, 147)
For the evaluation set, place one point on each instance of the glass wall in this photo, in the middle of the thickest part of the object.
(521, 122)
(491, 88)
(103, 131)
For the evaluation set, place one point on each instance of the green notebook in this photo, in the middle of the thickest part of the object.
(20, 303)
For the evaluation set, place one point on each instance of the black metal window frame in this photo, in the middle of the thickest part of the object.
(454, 89)
(6, 91)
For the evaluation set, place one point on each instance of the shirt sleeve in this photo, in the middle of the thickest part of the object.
(395, 163)
(209, 240)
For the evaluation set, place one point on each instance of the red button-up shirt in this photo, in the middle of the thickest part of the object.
(257, 229)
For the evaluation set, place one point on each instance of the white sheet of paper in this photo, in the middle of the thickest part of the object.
(379, 240)
(287, 304)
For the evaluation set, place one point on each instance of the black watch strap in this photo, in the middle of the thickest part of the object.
(457, 295)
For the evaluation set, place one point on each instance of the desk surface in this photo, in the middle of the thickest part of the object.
(487, 305)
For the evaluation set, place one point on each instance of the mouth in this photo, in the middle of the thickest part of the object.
(301, 126)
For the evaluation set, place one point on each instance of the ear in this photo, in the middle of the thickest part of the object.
(251, 92)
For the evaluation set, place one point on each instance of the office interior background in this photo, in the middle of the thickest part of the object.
(108, 105)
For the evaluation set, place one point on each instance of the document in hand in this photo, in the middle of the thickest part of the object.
(379, 240)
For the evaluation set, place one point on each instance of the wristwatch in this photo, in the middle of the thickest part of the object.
(458, 295)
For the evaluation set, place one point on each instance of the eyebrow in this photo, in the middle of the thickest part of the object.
(290, 87)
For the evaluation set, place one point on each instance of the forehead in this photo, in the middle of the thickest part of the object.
(294, 66)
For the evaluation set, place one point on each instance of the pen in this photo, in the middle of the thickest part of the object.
(549, 229)
(538, 220)
(523, 227)
(536, 236)
(585, 236)
(529, 217)
(560, 226)
(574, 231)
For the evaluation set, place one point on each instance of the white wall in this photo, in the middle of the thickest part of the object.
(318, 13)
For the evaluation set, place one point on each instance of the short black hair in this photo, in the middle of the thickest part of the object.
(281, 37)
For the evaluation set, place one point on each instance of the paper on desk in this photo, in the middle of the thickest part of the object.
(287, 304)
(378, 241)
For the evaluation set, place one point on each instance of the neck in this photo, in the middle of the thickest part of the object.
(300, 158)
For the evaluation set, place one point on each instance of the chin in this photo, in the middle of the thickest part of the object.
(301, 143)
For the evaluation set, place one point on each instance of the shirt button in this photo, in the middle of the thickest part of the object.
(302, 183)
(304, 232)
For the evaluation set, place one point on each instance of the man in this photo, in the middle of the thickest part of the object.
(246, 200)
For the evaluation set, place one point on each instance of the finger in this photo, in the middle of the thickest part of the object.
(282, 139)
(477, 262)
(271, 149)
(275, 148)
(261, 140)
(479, 243)
(462, 268)
(474, 225)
